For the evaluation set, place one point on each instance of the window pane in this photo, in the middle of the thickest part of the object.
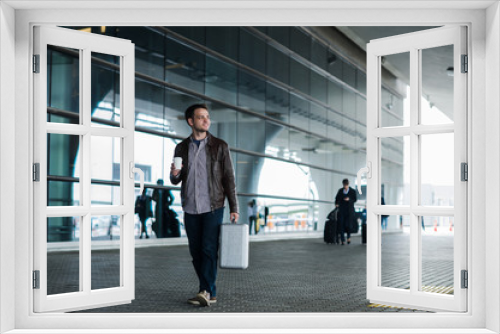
(105, 170)
(437, 85)
(105, 252)
(392, 108)
(395, 253)
(105, 90)
(437, 246)
(63, 171)
(437, 169)
(395, 170)
(63, 267)
(63, 84)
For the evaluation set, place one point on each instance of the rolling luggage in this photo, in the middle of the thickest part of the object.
(234, 246)
(330, 234)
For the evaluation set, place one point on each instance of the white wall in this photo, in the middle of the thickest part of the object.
(7, 158)
(492, 167)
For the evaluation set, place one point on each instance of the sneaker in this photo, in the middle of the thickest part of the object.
(202, 299)
(196, 301)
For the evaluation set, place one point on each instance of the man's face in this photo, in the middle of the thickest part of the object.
(346, 186)
(201, 120)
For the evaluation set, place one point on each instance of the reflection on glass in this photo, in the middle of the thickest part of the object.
(221, 80)
(391, 106)
(437, 235)
(105, 91)
(62, 170)
(437, 169)
(105, 166)
(277, 103)
(63, 83)
(105, 255)
(395, 253)
(251, 92)
(185, 66)
(437, 85)
(394, 166)
(63, 268)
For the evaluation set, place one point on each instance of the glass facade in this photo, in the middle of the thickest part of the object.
(291, 108)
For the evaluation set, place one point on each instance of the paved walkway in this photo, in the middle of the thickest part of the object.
(296, 275)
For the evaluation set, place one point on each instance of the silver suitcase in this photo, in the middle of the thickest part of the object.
(234, 246)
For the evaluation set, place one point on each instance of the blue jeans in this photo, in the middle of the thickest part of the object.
(203, 236)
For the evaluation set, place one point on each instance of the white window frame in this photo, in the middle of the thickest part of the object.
(483, 307)
(414, 43)
(85, 297)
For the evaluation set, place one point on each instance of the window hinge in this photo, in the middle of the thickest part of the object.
(465, 279)
(36, 279)
(465, 64)
(36, 63)
(36, 172)
(464, 171)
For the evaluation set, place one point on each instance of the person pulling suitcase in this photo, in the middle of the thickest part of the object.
(202, 162)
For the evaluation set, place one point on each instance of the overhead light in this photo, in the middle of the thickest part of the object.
(450, 71)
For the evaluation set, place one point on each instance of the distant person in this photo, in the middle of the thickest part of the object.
(163, 199)
(383, 219)
(207, 175)
(266, 214)
(252, 212)
(144, 209)
(345, 199)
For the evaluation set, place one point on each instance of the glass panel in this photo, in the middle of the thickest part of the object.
(224, 123)
(252, 51)
(319, 55)
(105, 253)
(185, 67)
(335, 96)
(318, 87)
(299, 112)
(63, 170)
(63, 85)
(437, 169)
(149, 106)
(300, 43)
(149, 49)
(105, 90)
(251, 133)
(277, 103)
(105, 170)
(437, 254)
(395, 253)
(280, 34)
(395, 170)
(437, 85)
(251, 92)
(299, 76)
(224, 40)
(278, 65)
(392, 110)
(221, 80)
(63, 267)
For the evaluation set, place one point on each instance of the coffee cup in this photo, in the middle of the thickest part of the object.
(178, 162)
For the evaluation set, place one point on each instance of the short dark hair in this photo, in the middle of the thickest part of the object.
(345, 182)
(189, 113)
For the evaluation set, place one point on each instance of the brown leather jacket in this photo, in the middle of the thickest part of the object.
(221, 180)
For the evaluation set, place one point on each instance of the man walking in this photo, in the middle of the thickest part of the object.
(346, 196)
(207, 177)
